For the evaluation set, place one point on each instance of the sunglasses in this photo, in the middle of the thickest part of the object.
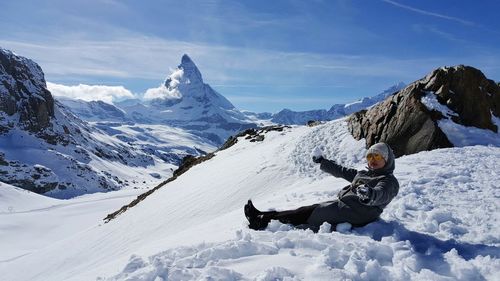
(374, 156)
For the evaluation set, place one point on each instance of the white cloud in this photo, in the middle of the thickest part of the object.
(162, 93)
(90, 92)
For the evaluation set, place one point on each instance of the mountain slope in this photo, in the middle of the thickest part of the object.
(194, 228)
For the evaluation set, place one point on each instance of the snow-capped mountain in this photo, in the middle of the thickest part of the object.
(185, 101)
(366, 102)
(291, 117)
(46, 149)
(194, 228)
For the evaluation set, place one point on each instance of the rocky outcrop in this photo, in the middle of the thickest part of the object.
(409, 126)
(23, 90)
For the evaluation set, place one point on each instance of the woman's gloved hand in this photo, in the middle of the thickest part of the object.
(364, 192)
(317, 155)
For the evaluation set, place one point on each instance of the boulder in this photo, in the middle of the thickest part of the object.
(408, 126)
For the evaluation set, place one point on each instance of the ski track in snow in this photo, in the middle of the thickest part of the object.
(443, 225)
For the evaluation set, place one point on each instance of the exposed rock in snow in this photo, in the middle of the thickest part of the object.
(430, 112)
(23, 92)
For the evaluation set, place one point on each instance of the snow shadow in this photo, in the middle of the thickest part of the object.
(424, 244)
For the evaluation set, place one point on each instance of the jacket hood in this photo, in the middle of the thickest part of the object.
(390, 164)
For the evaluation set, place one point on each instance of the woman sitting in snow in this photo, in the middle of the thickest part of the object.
(359, 203)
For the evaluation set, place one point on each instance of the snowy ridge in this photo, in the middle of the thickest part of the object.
(194, 228)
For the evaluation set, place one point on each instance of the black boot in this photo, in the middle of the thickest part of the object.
(257, 219)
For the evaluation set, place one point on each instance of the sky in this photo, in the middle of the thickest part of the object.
(262, 55)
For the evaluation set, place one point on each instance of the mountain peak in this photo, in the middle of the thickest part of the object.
(186, 59)
(191, 71)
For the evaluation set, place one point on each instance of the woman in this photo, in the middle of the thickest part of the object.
(359, 203)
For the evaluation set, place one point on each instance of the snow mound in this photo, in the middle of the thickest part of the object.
(292, 254)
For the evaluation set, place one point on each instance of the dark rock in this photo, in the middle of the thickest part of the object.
(406, 124)
(33, 186)
(313, 123)
(23, 90)
(2, 160)
(466, 91)
(258, 138)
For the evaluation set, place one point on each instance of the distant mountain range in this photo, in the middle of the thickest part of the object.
(289, 117)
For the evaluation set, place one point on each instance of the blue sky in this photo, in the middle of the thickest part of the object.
(261, 55)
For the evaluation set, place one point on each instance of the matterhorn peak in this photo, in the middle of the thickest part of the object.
(190, 70)
(187, 73)
(186, 59)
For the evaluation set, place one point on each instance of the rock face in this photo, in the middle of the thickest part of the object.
(23, 90)
(409, 126)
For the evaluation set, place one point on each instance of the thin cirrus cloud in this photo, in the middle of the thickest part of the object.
(428, 13)
(90, 92)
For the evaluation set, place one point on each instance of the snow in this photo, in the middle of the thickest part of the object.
(35, 220)
(443, 225)
(461, 135)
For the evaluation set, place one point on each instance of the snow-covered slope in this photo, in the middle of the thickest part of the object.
(443, 225)
(41, 221)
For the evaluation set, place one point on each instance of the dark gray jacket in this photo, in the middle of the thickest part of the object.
(382, 182)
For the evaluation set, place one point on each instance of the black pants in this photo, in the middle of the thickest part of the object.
(333, 212)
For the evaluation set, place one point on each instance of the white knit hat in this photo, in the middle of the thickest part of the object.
(379, 148)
